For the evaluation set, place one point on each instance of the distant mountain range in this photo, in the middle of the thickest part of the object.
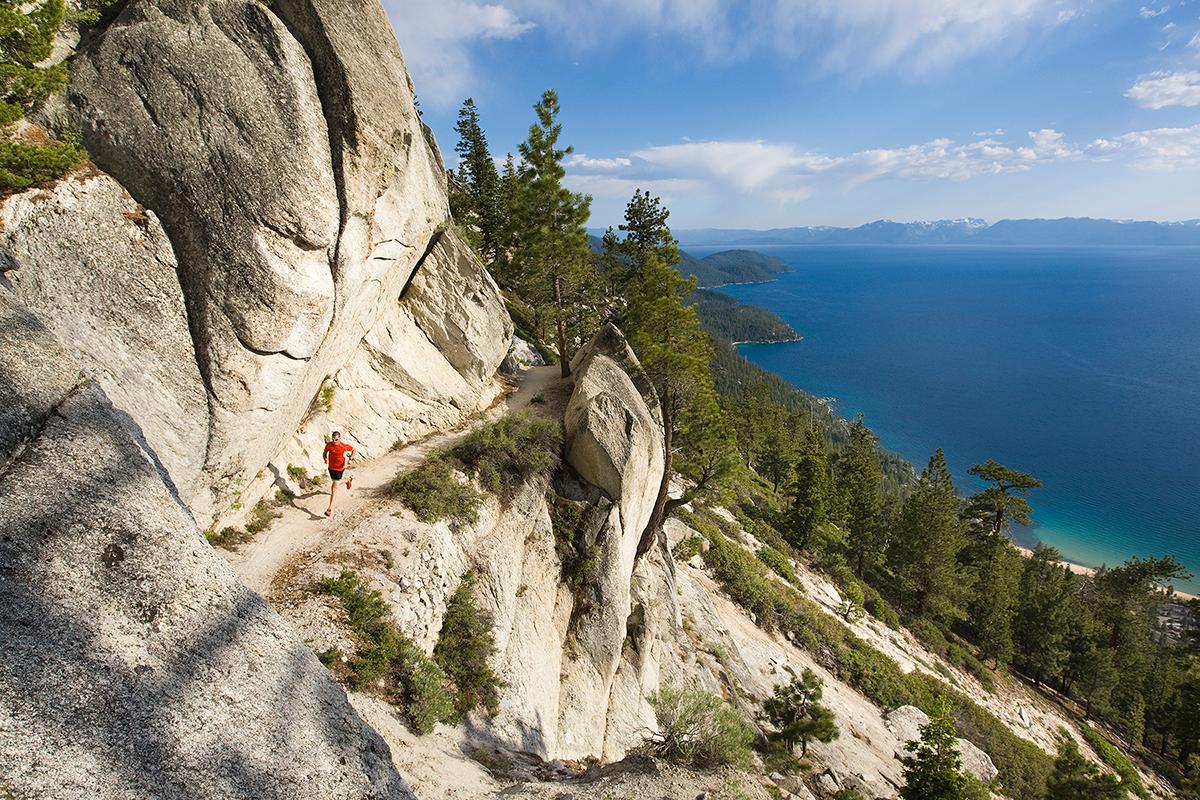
(1070, 231)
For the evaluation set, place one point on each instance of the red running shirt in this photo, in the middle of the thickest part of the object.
(335, 454)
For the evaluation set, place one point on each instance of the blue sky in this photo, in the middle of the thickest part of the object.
(764, 113)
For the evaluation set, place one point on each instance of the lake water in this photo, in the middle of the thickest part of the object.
(1079, 365)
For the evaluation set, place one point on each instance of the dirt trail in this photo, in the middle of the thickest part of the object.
(304, 527)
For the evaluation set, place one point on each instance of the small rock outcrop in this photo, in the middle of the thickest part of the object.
(134, 663)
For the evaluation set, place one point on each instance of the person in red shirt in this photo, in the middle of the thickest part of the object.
(337, 453)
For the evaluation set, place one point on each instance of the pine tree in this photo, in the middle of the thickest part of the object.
(1076, 778)
(1005, 500)
(646, 233)
(928, 539)
(859, 481)
(1042, 622)
(796, 710)
(675, 353)
(996, 571)
(475, 197)
(934, 770)
(550, 260)
(810, 489)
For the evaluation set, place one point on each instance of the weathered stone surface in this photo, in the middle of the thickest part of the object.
(525, 354)
(98, 269)
(280, 147)
(614, 442)
(614, 435)
(208, 114)
(458, 306)
(134, 664)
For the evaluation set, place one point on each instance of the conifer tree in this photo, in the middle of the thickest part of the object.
(1076, 778)
(1005, 500)
(475, 196)
(675, 352)
(646, 232)
(1042, 621)
(810, 489)
(550, 259)
(934, 770)
(924, 551)
(859, 481)
(796, 710)
(996, 573)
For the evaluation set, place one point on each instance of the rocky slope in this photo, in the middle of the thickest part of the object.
(260, 253)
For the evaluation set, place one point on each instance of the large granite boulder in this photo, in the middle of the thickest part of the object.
(134, 664)
(280, 148)
(614, 440)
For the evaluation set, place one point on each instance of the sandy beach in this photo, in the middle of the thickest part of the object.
(1079, 569)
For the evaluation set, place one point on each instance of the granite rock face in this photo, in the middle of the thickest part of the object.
(134, 663)
(98, 269)
(280, 148)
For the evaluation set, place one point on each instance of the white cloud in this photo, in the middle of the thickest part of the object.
(989, 134)
(1170, 26)
(782, 175)
(1195, 42)
(1161, 89)
(1148, 13)
(586, 162)
(1159, 149)
(436, 36)
(743, 165)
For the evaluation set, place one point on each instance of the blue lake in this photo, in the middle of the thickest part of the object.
(1079, 365)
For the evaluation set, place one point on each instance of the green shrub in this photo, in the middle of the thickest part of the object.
(1114, 758)
(505, 453)
(303, 479)
(388, 662)
(426, 699)
(262, 516)
(698, 729)
(23, 164)
(464, 647)
(228, 538)
(688, 547)
(848, 794)
(879, 608)
(434, 492)
(779, 563)
(327, 393)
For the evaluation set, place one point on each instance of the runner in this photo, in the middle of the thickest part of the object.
(337, 453)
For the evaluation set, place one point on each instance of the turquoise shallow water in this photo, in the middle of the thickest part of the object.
(1080, 365)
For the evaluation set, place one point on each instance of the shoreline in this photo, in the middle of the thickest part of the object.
(769, 341)
(1080, 569)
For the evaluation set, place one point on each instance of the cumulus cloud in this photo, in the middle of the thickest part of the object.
(1161, 89)
(437, 36)
(784, 174)
(587, 162)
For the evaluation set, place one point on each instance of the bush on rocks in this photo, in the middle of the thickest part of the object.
(698, 729)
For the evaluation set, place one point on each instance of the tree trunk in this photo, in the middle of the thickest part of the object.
(659, 514)
(563, 358)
